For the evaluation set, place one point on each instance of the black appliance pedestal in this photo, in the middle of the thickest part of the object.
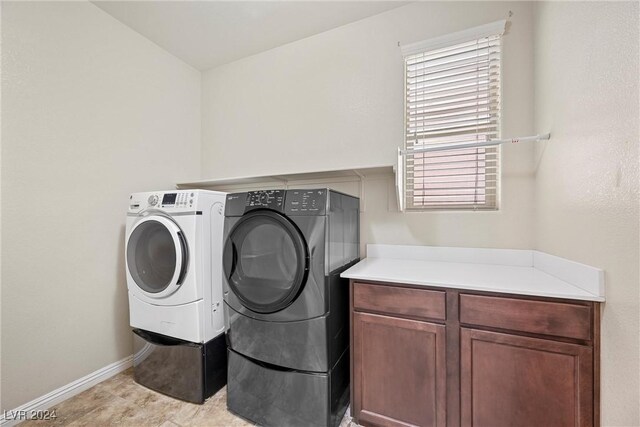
(181, 369)
(272, 396)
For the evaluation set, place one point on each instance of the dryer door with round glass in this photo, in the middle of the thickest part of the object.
(157, 256)
(265, 261)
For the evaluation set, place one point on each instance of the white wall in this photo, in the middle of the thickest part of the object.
(91, 112)
(586, 94)
(334, 101)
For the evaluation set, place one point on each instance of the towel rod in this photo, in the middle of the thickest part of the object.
(489, 143)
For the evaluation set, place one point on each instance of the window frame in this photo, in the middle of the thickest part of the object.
(405, 190)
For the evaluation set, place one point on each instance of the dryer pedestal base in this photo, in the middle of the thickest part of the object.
(181, 369)
(272, 396)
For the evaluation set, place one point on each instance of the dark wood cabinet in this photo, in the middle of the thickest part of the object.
(399, 371)
(510, 380)
(434, 357)
(567, 320)
(416, 303)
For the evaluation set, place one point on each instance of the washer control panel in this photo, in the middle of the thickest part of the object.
(163, 200)
(306, 202)
(181, 199)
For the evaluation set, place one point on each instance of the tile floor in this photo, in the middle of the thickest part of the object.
(121, 401)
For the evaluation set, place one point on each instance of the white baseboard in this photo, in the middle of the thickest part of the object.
(10, 418)
(143, 353)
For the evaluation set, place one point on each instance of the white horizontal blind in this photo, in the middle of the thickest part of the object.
(452, 95)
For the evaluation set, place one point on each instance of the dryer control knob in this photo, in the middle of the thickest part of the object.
(153, 200)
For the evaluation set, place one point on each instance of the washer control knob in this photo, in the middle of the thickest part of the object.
(153, 200)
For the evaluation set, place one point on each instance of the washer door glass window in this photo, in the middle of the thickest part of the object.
(265, 261)
(156, 255)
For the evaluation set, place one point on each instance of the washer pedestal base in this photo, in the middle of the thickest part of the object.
(181, 369)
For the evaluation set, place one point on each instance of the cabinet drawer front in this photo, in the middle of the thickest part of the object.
(538, 317)
(419, 303)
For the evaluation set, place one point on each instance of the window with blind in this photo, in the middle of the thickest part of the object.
(452, 95)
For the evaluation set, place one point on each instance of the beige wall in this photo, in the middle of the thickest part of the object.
(586, 94)
(91, 112)
(1, 406)
(334, 100)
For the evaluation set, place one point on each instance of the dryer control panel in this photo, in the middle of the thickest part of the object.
(271, 199)
(239, 203)
(306, 202)
(290, 202)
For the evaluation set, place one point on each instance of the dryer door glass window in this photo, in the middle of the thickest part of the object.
(265, 261)
(151, 256)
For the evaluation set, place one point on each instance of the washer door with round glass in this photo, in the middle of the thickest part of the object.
(265, 261)
(157, 256)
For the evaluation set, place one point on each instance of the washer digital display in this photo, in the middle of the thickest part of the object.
(169, 199)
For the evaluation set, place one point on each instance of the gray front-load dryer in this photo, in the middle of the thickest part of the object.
(286, 306)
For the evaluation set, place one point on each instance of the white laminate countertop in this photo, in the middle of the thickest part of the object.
(518, 272)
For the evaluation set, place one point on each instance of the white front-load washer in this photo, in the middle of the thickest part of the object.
(173, 255)
(174, 263)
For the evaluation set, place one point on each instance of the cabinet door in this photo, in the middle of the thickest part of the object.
(509, 380)
(399, 371)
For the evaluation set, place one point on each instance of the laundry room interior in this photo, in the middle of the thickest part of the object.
(320, 213)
